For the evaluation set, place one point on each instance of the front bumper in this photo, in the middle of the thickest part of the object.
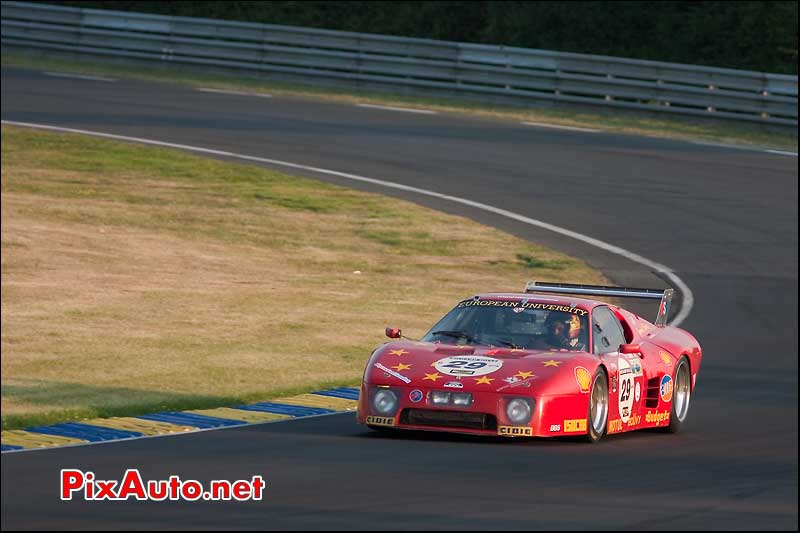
(551, 416)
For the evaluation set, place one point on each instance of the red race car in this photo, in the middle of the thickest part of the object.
(533, 365)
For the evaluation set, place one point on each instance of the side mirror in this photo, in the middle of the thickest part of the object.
(393, 333)
(628, 348)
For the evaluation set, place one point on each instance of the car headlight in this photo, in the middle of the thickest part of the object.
(518, 411)
(440, 397)
(384, 402)
(463, 399)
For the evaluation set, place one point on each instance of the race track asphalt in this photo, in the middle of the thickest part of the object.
(724, 219)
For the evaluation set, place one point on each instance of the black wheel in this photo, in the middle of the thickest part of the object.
(598, 406)
(681, 394)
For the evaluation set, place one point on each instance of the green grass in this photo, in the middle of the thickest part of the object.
(612, 120)
(138, 279)
(93, 401)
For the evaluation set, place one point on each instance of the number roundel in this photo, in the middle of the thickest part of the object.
(468, 365)
(625, 388)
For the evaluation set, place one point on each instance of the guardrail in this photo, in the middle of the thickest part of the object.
(487, 72)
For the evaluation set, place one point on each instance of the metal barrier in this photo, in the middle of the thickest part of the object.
(493, 73)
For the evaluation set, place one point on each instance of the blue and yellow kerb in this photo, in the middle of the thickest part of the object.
(107, 429)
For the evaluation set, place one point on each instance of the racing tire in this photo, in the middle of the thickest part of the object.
(597, 420)
(681, 394)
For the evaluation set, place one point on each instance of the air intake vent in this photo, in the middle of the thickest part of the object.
(653, 389)
(451, 419)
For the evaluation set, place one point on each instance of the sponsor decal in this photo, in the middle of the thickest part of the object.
(573, 426)
(398, 352)
(380, 420)
(637, 392)
(666, 388)
(656, 416)
(468, 365)
(663, 309)
(615, 426)
(512, 431)
(634, 420)
(416, 395)
(665, 358)
(391, 372)
(523, 306)
(625, 397)
(518, 309)
(636, 369)
(483, 381)
(516, 382)
(555, 428)
(432, 377)
(454, 385)
(583, 377)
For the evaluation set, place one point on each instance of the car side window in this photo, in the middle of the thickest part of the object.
(607, 332)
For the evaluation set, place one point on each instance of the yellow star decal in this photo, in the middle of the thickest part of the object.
(401, 366)
(398, 352)
(433, 377)
(523, 375)
(552, 362)
(515, 350)
(483, 381)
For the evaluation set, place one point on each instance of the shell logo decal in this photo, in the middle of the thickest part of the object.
(583, 377)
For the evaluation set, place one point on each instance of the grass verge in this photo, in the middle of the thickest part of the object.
(138, 279)
(616, 121)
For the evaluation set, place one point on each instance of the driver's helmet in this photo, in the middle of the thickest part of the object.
(562, 327)
(574, 326)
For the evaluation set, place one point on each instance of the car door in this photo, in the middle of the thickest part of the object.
(627, 380)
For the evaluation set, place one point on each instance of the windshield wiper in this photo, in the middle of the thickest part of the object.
(457, 334)
(505, 342)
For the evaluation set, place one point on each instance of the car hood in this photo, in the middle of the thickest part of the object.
(479, 368)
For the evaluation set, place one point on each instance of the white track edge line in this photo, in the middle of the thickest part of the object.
(77, 76)
(405, 109)
(559, 127)
(226, 91)
(745, 148)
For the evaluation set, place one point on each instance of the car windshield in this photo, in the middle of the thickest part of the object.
(513, 324)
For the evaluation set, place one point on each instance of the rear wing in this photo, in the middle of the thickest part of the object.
(664, 295)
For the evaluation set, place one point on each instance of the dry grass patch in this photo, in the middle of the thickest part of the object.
(140, 279)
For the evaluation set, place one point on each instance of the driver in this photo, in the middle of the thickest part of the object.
(563, 331)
